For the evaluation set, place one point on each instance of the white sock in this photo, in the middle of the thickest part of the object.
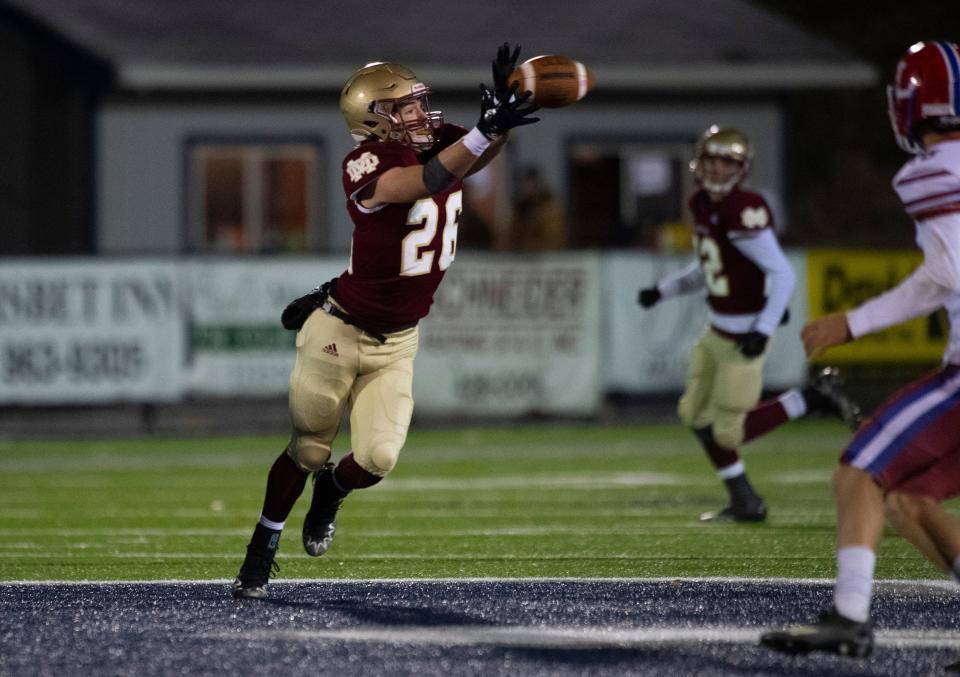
(956, 569)
(852, 591)
(276, 526)
(730, 471)
(793, 403)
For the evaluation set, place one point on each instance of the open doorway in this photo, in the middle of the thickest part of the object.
(629, 193)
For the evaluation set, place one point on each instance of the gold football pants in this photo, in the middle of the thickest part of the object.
(338, 366)
(722, 386)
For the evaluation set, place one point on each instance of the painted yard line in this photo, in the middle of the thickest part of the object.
(120, 513)
(573, 480)
(681, 514)
(562, 637)
(87, 552)
(360, 531)
(551, 481)
(893, 584)
(121, 460)
(802, 477)
(677, 518)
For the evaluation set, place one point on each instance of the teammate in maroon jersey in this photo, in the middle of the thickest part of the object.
(357, 335)
(748, 281)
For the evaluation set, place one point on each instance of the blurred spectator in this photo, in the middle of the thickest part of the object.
(538, 218)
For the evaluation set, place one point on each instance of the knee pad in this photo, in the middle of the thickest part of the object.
(728, 429)
(378, 459)
(308, 451)
(691, 417)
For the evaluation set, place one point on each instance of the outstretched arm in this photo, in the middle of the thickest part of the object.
(500, 111)
(927, 288)
(688, 279)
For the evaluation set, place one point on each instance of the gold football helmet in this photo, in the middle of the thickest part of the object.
(371, 101)
(728, 143)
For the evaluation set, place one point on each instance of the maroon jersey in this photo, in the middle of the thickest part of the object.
(399, 251)
(736, 286)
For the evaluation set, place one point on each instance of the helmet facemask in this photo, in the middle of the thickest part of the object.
(728, 144)
(372, 99)
(418, 133)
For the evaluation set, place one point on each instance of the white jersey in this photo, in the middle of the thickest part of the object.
(929, 187)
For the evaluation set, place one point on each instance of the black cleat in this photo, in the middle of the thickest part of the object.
(825, 395)
(753, 511)
(832, 633)
(953, 667)
(321, 519)
(255, 572)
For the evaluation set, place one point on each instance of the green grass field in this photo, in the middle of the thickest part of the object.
(546, 500)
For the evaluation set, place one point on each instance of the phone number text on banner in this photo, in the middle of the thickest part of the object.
(75, 332)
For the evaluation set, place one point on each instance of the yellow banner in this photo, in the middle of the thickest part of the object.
(843, 279)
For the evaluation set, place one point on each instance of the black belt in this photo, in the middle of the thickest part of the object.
(727, 334)
(344, 317)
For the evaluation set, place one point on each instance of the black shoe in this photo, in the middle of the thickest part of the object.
(832, 633)
(255, 572)
(753, 511)
(825, 395)
(953, 667)
(321, 519)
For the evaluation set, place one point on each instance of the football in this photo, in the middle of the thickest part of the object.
(555, 81)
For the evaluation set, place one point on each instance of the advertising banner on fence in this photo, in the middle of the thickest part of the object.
(511, 336)
(507, 336)
(647, 351)
(841, 279)
(237, 346)
(85, 332)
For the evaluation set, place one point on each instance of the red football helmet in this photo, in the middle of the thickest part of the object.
(925, 94)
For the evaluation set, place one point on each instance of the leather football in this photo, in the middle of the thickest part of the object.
(555, 81)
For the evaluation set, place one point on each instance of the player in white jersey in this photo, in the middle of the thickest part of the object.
(904, 461)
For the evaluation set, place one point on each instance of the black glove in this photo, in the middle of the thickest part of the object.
(753, 344)
(499, 117)
(503, 66)
(298, 310)
(649, 297)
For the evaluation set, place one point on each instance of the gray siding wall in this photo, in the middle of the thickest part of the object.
(141, 154)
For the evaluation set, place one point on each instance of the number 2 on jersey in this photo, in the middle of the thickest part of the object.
(712, 265)
(426, 211)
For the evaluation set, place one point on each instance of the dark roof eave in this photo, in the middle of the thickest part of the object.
(662, 78)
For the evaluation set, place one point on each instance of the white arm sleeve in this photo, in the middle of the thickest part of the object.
(764, 250)
(927, 288)
(685, 281)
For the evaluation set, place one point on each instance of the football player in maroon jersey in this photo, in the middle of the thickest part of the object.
(357, 335)
(904, 462)
(748, 281)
